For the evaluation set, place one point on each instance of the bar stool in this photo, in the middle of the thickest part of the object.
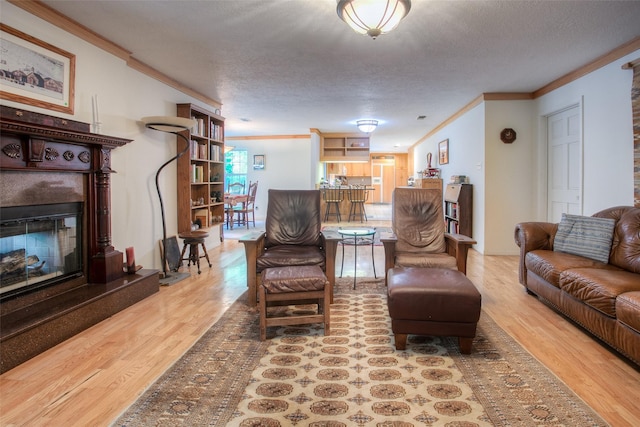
(332, 197)
(358, 197)
(191, 240)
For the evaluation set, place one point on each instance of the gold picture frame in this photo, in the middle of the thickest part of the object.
(443, 152)
(33, 72)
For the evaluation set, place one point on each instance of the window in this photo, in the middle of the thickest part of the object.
(236, 167)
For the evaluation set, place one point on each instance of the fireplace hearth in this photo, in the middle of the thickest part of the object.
(59, 272)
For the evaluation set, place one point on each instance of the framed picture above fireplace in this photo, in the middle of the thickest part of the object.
(35, 72)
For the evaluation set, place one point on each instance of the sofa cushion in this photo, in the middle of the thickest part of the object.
(586, 236)
(628, 309)
(599, 288)
(625, 250)
(549, 264)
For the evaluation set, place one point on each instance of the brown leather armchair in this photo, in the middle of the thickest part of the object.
(418, 237)
(292, 237)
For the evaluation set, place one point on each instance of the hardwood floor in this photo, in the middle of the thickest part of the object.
(91, 378)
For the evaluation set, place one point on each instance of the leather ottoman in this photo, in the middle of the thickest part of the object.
(432, 301)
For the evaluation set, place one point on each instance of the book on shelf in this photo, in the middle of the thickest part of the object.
(216, 153)
(197, 173)
(199, 128)
(198, 151)
(216, 132)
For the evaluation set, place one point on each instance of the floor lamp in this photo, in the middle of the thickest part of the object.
(173, 125)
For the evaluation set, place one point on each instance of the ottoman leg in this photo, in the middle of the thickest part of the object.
(465, 345)
(326, 301)
(401, 341)
(263, 313)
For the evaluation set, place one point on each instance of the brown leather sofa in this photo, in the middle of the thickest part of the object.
(604, 298)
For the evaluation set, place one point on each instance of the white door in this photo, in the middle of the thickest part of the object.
(564, 174)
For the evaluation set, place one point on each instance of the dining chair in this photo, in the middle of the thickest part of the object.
(234, 188)
(248, 207)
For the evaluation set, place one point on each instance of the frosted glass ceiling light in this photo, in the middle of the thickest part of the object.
(367, 126)
(373, 17)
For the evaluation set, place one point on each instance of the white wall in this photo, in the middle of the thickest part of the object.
(508, 171)
(510, 185)
(288, 165)
(466, 151)
(605, 95)
(124, 96)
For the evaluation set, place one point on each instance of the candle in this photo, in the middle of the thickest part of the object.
(131, 261)
(97, 112)
(93, 110)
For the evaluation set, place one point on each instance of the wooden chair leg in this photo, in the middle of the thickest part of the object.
(206, 255)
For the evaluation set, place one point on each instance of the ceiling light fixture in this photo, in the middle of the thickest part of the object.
(373, 17)
(367, 126)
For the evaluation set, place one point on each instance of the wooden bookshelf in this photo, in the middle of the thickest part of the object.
(201, 170)
(458, 208)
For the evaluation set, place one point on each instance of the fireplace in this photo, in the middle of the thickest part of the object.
(40, 245)
(59, 272)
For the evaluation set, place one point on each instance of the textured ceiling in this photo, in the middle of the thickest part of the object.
(281, 67)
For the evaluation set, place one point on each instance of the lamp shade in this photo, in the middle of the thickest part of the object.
(373, 17)
(367, 126)
(169, 124)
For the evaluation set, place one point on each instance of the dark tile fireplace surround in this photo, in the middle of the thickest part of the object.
(59, 273)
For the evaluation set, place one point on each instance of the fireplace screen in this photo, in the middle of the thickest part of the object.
(39, 245)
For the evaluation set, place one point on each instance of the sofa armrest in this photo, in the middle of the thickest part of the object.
(388, 239)
(458, 246)
(530, 236)
(253, 248)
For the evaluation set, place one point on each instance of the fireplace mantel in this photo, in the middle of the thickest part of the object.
(40, 143)
(47, 160)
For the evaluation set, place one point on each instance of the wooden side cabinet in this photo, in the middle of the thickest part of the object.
(201, 170)
(458, 208)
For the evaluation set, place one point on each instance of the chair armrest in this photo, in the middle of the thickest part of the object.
(253, 248)
(330, 241)
(458, 246)
(530, 236)
(388, 239)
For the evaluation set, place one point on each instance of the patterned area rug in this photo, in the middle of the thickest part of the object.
(354, 377)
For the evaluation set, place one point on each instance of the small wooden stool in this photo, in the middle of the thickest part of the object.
(191, 240)
(290, 284)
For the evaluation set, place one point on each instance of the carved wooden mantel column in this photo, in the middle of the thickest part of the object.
(32, 142)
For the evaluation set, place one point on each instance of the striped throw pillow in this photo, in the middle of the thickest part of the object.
(585, 236)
